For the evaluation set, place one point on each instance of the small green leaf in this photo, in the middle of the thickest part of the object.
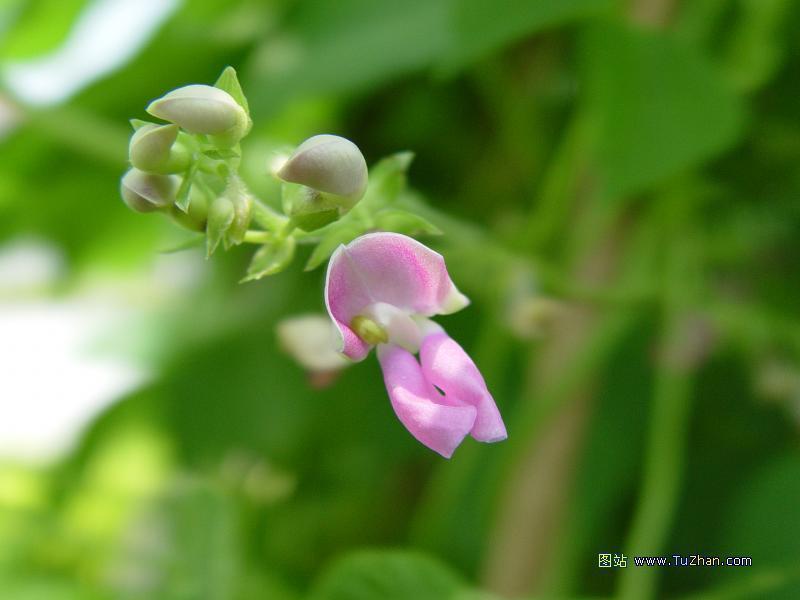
(271, 258)
(401, 221)
(389, 575)
(220, 217)
(388, 178)
(342, 234)
(229, 82)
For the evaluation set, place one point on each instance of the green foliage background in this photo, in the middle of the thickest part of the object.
(635, 162)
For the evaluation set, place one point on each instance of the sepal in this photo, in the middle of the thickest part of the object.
(273, 257)
(221, 214)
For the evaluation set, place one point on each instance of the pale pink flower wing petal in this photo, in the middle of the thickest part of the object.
(441, 424)
(390, 268)
(448, 367)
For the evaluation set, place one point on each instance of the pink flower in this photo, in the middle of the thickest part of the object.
(380, 290)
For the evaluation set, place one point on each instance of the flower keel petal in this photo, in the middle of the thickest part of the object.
(448, 367)
(437, 422)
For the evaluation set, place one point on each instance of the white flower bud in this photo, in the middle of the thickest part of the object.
(146, 192)
(203, 109)
(153, 148)
(329, 164)
(312, 341)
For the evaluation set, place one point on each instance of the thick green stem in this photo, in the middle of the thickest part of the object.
(665, 452)
(663, 470)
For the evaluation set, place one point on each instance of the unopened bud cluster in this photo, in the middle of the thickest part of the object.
(186, 165)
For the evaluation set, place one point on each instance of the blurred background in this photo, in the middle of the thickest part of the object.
(619, 191)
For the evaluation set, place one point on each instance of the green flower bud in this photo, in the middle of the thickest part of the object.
(331, 165)
(203, 109)
(147, 192)
(153, 148)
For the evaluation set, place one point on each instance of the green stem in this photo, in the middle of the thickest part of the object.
(665, 452)
(257, 237)
(268, 218)
(551, 210)
(663, 470)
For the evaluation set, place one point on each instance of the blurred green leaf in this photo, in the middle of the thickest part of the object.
(763, 522)
(483, 26)
(388, 575)
(660, 107)
(40, 26)
(40, 588)
(757, 42)
(342, 47)
(387, 180)
(273, 257)
(183, 548)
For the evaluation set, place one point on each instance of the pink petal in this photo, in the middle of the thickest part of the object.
(448, 367)
(390, 268)
(436, 421)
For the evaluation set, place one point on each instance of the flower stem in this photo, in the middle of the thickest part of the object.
(268, 217)
(257, 237)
